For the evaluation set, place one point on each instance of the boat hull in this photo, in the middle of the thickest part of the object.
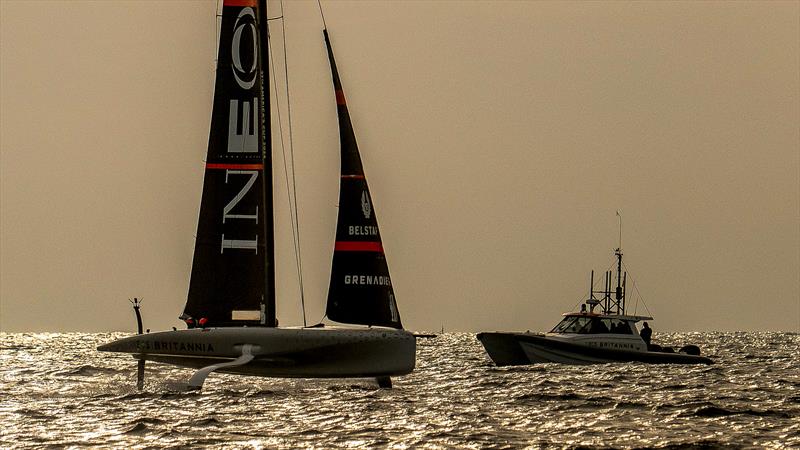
(509, 349)
(280, 352)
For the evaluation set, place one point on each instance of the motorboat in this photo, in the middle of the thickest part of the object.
(601, 332)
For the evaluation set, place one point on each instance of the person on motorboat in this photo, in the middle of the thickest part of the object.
(597, 326)
(646, 333)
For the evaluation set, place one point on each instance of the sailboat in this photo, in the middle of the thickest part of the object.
(230, 309)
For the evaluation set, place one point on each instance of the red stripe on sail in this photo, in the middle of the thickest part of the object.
(239, 3)
(356, 246)
(234, 166)
(340, 98)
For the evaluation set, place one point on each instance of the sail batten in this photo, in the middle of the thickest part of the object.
(360, 289)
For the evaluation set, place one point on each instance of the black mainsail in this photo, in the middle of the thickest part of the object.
(232, 275)
(360, 290)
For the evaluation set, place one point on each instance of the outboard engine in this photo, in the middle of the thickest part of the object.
(690, 350)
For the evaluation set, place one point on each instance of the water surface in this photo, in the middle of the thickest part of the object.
(57, 390)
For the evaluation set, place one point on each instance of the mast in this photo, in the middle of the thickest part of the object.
(270, 316)
(620, 294)
(620, 297)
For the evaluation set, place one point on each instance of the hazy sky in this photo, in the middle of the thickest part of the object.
(499, 139)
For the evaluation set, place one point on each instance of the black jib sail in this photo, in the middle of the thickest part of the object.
(230, 282)
(360, 290)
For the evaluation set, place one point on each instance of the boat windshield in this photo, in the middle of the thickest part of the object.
(592, 325)
(573, 324)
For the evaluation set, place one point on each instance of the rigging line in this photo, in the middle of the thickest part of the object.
(324, 26)
(217, 17)
(292, 214)
(298, 254)
(639, 294)
(217, 26)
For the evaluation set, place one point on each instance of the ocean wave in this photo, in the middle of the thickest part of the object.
(148, 421)
(716, 411)
(204, 422)
(549, 397)
(88, 370)
(704, 444)
(138, 428)
(34, 414)
(631, 405)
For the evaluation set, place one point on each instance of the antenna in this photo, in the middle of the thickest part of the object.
(137, 303)
(621, 278)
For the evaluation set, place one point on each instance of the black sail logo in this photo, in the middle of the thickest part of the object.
(366, 208)
(244, 70)
(242, 135)
(243, 113)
